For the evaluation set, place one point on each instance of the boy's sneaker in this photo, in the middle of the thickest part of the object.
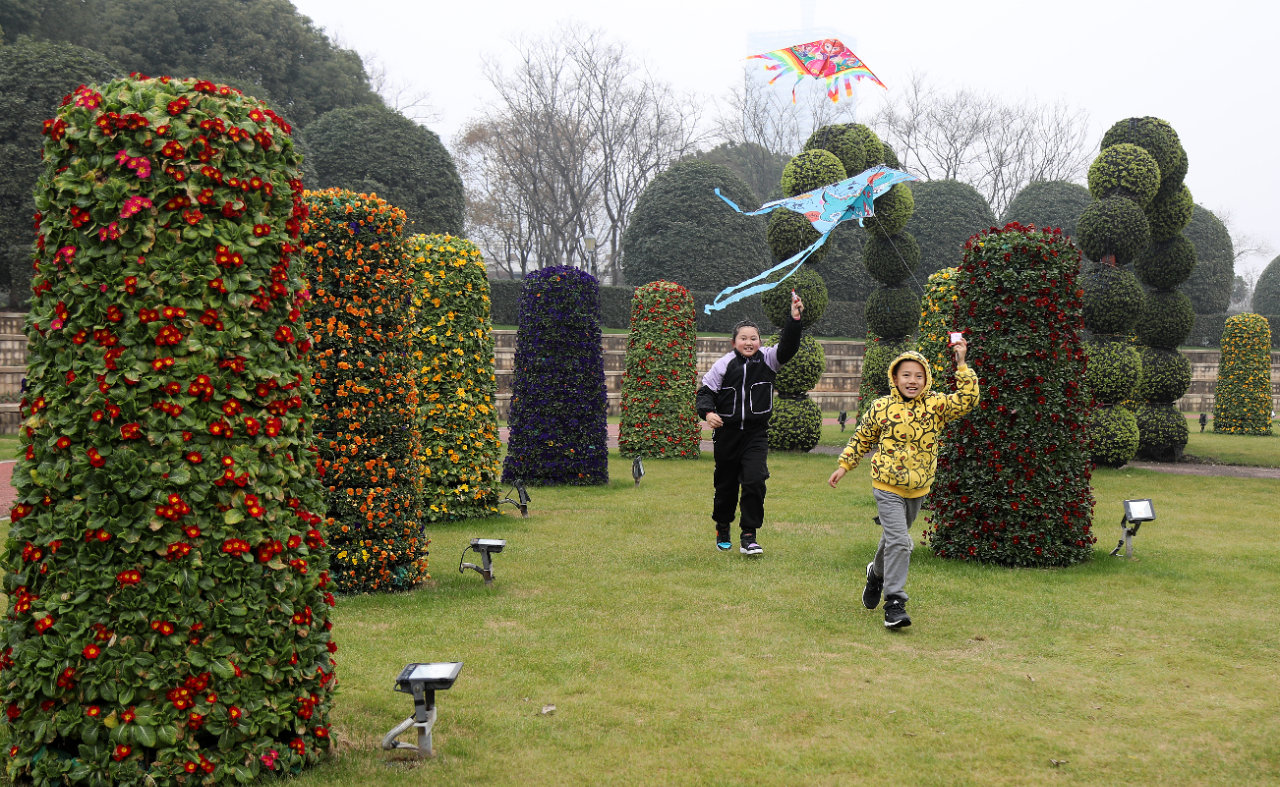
(895, 614)
(871, 593)
(750, 547)
(723, 546)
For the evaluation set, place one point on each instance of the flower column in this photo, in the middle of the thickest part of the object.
(166, 574)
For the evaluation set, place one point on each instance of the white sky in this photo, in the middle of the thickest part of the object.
(1208, 68)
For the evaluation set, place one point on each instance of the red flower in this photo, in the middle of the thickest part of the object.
(121, 751)
(91, 651)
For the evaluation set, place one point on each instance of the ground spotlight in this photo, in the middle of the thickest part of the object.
(422, 681)
(637, 470)
(485, 547)
(1135, 513)
(521, 500)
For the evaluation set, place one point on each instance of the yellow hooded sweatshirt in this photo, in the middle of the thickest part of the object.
(906, 430)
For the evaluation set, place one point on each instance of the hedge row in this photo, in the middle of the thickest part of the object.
(842, 318)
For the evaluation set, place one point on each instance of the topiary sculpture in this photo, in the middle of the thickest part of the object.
(1242, 399)
(658, 415)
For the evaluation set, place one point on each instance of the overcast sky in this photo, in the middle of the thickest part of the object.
(1208, 68)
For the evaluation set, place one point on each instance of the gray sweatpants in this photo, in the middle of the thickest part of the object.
(893, 555)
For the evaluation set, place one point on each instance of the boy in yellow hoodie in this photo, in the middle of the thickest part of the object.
(904, 425)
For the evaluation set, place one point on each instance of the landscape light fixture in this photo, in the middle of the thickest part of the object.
(521, 501)
(637, 470)
(422, 681)
(1135, 513)
(485, 547)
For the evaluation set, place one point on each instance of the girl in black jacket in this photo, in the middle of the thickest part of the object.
(736, 400)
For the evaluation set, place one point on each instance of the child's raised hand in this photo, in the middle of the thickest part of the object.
(836, 476)
(961, 346)
(797, 306)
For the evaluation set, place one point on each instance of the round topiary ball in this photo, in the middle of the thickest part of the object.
(1162, 432)
(1054, 203)
(1165, 265)
(872, 147)
(789, 232)
(1266, 293)
(1169, 213)
(1166, 319)
(1114, 371)
(1153, 135)
(891, 260)
(811, 169)
(1112, 300)
(840, 139)
(809, 285)
(1125, 170)
(1113, 436)
(1166, 375)
(1175, 176)
(801, 374)
(892, 311)
(1113, 226)
(796, 424)
(892, 211)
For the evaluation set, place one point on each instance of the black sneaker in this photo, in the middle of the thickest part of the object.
(722, 539)
(749, 545)
(895, 614)
(871, 593)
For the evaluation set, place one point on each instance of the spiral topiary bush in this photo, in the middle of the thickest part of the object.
(1242, 399)
(658, 415)
(558, 431)
(789, 232)
(1113, 227)
(892, 212)
(811, 288)
(451, 343)
(166, 571)
(1162, 432)
(1112, 300)
(841, 140)
(1166, 319)
(1115, 368)
(1166, 264)
(1113, 436)
(811, 170)
(796, 424)
(1168, 214)
(892, 311)
(1013, 474)
(1125, 170)
(799, 375)
(891, 260)
(1166, 375)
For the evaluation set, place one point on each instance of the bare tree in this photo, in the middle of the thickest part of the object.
(553, 172)
(765, 115)
(994, 146)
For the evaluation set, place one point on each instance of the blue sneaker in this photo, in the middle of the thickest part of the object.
(724, 546)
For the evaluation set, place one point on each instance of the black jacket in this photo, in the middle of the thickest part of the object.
(740, 389)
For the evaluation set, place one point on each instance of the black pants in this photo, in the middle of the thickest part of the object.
(741, 465)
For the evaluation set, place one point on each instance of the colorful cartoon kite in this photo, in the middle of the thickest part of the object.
(825, 208)
(826, 59)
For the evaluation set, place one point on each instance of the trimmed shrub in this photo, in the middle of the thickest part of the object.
(888, 157)
(1266, 293)
(1053, 203)
(872, 147)
(1113, 436)
(809, 285)
(892, 211)
(789, 232)
(891, 260)
(1124, 170)
(796, 424)
(811, 170)
(1113, 226)
(1153, 135)
(937, 320)
(1166, 375)
(1013, 474)
(166, 573)
(1209, 285)
(1166, 264)
(1167, 215)
(1112, 300)
(1242, 399)
(1162, 432)
(451, 342)
(558, 431)
(893, 311)
(1114, 372)
(680, 231)
(1166, 319)
(844, 142)
(658, 414)
(946, 213)
(366, 389)
(799, 375)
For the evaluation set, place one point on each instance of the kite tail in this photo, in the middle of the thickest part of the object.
(757, 284)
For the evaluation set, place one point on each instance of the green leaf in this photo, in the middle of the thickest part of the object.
(233, 516)
(145, 736)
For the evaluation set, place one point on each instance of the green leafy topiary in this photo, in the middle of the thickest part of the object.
(1124, 170)
(888, 157)
(1168, 215)
(947, 213)
(844, 142)
(1166, 375)
(658, 416)
(1112, 300)
(891, 260)
(811, 170)
(1153, 135)
(1114, 371)
(452, 346)
(1162, 432)
(1242, 399)
(790, 232)
(799, 375)
(893, 311)
(1113, 226)
(1266, 293)
(1166, 319)
(796, 424)
(1210, 283)
(166, 571)
(1165, 265)
(872, 147)
(1054, 203)
(892, 211)
(809, 285)
(1113, 436)
(1012, 486)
